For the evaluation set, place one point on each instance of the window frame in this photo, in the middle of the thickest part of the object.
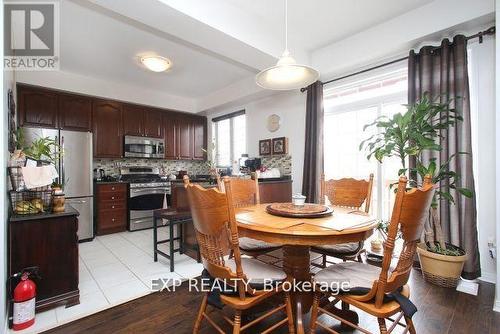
(378, 103)
(215, 137)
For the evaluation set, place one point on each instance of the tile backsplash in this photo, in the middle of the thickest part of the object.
(282, 162)
(112, 166)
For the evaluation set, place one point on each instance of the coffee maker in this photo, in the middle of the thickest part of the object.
(252, 164)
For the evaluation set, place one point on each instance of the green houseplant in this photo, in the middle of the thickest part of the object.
(411, 134)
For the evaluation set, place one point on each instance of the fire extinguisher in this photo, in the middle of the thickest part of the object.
(24, 299)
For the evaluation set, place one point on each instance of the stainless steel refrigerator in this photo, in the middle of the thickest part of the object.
(75, 172)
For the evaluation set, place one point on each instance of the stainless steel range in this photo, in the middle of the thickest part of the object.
(148, 192)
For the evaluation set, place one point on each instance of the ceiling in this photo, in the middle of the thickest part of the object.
(218, 46)
(312, 24)
(94, 43)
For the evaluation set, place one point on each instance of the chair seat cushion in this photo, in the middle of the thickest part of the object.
(357, 275)
(258, 272)
(349, 248)
(249, 244)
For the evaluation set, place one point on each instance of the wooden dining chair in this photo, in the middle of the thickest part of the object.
(347, 193)
(245, 192)
(214, 221)
(371, 286)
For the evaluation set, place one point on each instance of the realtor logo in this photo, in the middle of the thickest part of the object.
(31, 36)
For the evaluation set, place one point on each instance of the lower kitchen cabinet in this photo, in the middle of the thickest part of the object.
(275, 191)
(111, 207)
(50, 242)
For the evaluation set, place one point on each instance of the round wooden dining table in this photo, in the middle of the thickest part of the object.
(297, 235)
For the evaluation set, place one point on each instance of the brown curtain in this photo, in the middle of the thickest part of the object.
(442, 72)
(313, 152)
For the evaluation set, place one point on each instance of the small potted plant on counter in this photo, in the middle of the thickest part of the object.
(415, 133)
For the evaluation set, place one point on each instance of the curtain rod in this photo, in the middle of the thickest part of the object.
(480, 35)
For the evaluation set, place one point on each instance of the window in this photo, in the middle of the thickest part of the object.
(229, 136)
(348, 108)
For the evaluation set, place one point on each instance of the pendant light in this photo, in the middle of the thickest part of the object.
(287, 74)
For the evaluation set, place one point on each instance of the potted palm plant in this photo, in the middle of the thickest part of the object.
(411, 134)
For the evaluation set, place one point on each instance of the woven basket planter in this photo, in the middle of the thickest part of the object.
(438, 269)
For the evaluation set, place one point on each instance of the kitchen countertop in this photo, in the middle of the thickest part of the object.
(69, 211)
(284, 178)
(111, 182)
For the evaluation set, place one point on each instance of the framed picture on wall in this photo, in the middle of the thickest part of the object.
(279, 145)
(265, 147)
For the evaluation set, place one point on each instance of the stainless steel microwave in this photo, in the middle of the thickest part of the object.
(144, 147)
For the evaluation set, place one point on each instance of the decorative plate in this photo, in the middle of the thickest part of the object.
(307, 210)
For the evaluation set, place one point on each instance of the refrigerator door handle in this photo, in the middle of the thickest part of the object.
(71, 201)
(61, 156)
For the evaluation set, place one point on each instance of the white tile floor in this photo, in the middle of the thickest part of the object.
(114, 269)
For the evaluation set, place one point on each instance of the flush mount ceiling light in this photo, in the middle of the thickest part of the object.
(156, 63)
(287, 74)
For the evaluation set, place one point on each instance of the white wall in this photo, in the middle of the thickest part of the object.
(6, 84)
(497, 156)
(291, 106)
(482, 89)
(398, 35)
(104, 88)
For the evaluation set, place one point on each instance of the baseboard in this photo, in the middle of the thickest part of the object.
(496, 306)
(488, 277)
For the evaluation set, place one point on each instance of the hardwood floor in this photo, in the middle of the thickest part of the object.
(440, 311)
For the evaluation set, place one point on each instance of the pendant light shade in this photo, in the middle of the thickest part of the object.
(287, 74)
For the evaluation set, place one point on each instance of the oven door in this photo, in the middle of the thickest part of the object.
(142, 203)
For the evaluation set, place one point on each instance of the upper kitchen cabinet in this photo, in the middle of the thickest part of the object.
(199, 138)
(75, 112)
(37, 107)
(107, 129)
(132, 120)
(153, 123)
(142, 121)
(185, 136)
(170, 132)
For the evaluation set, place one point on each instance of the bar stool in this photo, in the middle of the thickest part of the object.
(178, 215)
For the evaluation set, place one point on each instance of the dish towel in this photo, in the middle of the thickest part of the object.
(165, 206)
(35, 177)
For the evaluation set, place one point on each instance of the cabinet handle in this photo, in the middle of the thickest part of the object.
(112, 188)
(112, 206)
(112, 197)
(112, 219)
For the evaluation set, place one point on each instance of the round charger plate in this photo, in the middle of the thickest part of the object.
(307, 210)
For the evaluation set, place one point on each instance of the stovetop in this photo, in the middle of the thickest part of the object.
(143, 177)
(165, 184)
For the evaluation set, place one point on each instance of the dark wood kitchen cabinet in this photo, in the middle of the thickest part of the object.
(142, 121)
(185, 137)
(132, 120)
(49, 242)
(275, 191)
(75, 112)
(111, 207)
(184, 133)
(199, 138)
(170, 132)
(107, 129)
(152, 123)
(37, 107)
